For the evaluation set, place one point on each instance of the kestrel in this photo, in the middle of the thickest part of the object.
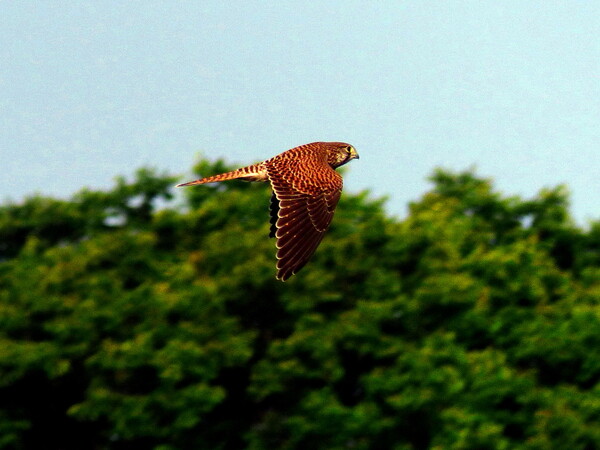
(306, 190)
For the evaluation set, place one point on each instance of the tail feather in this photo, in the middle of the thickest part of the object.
(255, 172)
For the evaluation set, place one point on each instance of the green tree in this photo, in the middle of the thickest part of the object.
(136, 319)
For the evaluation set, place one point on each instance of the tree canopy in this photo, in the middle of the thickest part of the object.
(135, 319)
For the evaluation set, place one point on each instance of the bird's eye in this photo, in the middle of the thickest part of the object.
(349, 149)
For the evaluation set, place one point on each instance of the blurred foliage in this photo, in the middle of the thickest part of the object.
(131, 319)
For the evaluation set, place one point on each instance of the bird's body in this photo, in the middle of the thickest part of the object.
(306, 190)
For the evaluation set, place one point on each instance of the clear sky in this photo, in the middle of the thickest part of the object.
(90, 90)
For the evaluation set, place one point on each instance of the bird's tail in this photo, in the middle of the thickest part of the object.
(255, 172)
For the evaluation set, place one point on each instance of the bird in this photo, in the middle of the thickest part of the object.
(305, 191)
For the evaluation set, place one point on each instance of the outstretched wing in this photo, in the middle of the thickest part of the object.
(304, 200)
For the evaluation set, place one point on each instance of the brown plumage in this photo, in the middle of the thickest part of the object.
(306, 190)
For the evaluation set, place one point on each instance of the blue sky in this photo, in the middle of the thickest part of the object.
(91, 90)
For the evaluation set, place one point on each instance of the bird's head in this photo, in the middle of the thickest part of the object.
(339, 153)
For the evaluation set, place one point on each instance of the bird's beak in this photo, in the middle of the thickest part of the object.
(354, 154)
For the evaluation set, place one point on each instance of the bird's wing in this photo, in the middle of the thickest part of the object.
(302, 206)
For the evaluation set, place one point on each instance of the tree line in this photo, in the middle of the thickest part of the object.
(133, 319)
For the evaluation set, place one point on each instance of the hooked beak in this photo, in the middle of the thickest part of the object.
(354, 154)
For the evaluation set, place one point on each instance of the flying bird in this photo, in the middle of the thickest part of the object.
(306, 190)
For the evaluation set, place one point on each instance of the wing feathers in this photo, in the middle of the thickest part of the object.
(303, 214)
(274, 211)
(299, 259)
(295, 230)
